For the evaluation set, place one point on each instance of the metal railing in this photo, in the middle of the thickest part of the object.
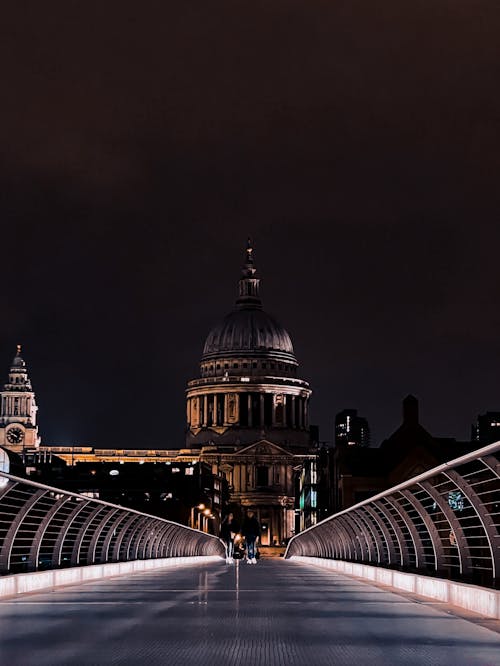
(444, 522)
(47, 528)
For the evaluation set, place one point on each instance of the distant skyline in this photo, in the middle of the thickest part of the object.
(358, 144)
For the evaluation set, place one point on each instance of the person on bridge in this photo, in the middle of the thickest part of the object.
(251, 531)
(228, 531)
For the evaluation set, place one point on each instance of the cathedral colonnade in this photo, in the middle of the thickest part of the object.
(247, 408)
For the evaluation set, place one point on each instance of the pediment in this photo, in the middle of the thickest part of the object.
(263, 448)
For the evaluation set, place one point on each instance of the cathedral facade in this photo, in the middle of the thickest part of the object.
(248, 411)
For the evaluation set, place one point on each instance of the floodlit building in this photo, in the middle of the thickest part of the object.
(247, 429)
(248, 411)
(18, 427)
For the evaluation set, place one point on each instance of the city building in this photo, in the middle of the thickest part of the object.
(350, 474)
(351, 429)
(172, 490)
(486, 430)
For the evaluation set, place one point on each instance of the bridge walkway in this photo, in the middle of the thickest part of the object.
(275, 613)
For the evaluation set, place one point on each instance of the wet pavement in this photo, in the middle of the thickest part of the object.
(274, 613)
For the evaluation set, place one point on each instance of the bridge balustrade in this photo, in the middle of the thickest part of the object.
(42, 527)
(444, 522)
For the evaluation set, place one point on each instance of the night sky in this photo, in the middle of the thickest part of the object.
(357, 143)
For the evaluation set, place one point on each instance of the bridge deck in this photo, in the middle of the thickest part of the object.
(275, 613)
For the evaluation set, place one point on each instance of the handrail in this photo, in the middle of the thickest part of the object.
(44, 527)
(445, 521)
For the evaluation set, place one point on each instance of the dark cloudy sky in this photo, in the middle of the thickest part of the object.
(357, 142)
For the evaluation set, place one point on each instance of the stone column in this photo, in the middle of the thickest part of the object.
(195, 412)
(261, 414)
(292, 398)
(205, 410)
(249, 403)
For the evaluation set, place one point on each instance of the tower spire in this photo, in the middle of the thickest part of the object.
(249, 284)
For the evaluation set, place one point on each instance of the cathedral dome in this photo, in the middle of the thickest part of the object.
(248, 331)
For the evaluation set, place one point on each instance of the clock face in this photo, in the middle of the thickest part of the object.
(15, 435)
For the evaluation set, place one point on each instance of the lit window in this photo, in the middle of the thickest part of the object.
(175, 470)
(188, 471)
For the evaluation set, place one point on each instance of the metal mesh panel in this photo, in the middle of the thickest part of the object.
(52, 531)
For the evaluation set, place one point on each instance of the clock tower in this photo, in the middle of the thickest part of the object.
(18, 429)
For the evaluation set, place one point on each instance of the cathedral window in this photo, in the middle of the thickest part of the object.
(235, 365)
(268, 409)
(244, 412)
(220, 409)
(262, 475)
(245, 365)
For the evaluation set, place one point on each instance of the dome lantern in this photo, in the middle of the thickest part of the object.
(249, 284)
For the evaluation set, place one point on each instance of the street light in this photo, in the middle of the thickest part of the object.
(195, 518)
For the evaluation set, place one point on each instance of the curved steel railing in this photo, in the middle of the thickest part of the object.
(444, 522)
(46, 528)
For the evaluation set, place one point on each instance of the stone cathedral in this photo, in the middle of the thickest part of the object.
(248, 411)
(247, 420)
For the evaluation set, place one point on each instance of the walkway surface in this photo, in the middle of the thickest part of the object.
(274, 613)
